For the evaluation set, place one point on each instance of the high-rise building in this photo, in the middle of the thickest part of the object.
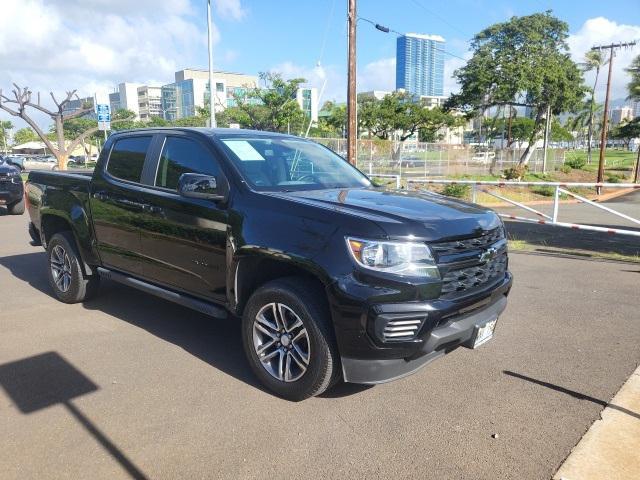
(125, 97)
(420, 64)
(191, 90)
(621, 114)
(307, 98)
(149, 102)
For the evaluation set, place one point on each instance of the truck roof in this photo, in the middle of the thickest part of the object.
(211, 132)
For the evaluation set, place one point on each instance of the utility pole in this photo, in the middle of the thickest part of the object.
(352, 104)
(605, 116)
(212, 113)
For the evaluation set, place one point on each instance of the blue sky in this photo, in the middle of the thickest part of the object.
(293, 32)
(92, 45)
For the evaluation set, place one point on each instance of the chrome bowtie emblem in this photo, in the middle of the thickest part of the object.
(488, 255)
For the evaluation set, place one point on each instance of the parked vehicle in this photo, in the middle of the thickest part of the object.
(331, 277)
(11, 188)
(16, 161)
(483, 157)
(36, 162)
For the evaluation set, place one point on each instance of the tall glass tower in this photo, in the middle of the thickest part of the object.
(420, 64)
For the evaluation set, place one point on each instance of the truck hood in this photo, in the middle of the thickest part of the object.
(424, 215)
(6, 168)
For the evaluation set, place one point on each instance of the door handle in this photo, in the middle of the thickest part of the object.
(153, 209)
(100, 196)
(131, 203)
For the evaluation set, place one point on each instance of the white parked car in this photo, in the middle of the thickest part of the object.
(483, 157)
(48, 162)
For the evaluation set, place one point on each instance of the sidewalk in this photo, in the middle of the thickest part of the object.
(611, 447)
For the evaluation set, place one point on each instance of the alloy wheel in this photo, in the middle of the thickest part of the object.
(61, 268)
(281, 342)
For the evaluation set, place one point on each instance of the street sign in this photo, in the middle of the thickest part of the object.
(103, 111)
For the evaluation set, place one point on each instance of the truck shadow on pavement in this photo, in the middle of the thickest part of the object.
(572, 393)
(214, 341)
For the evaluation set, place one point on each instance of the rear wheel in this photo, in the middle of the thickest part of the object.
(16, 208)
(66, 277)
(289, 340)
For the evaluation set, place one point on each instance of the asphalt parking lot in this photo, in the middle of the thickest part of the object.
(130, 386)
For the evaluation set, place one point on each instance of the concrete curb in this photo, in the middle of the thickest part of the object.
(611, 447)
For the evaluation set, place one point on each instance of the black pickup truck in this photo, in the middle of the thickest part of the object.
(11, 188)
(332, 277)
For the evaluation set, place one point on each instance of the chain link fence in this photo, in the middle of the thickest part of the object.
(439, 160)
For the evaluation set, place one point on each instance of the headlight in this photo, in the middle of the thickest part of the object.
(401, 258)
(16, 178)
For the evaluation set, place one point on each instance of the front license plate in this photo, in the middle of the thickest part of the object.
(485, 333)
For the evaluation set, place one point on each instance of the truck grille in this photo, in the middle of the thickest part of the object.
(460, 246)
(462, 266)
(456, 282)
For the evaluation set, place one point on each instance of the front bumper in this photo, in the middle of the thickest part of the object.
(447, 325)
(10, 192)
(460, 332)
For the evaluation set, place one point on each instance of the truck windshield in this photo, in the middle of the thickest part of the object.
(290, 164)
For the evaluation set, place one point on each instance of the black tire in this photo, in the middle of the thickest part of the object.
(306, 300)
(16, 208)
(79, 287)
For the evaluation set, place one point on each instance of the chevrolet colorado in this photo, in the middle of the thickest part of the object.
(332, 277)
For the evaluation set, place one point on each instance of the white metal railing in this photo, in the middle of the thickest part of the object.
(560, 188)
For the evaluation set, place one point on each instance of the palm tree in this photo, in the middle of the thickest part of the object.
(633, 87)
(593, 60)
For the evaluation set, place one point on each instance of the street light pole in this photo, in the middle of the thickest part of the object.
(212, 114)
(352, 125)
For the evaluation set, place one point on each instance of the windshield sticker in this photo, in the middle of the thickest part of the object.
(244, 150)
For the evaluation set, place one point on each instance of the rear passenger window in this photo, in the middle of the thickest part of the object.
(127, 158)
(182, 155)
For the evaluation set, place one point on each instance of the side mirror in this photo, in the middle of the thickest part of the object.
(195, 185)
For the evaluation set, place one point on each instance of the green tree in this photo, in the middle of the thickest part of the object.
(273, 108)
(398, 116)
(633, 87)
(4, 126)
(524, 61)
(559, 133)
(25, 135)
(626, 131)
(593, 60)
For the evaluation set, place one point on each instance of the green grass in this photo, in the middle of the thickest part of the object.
(613, 159)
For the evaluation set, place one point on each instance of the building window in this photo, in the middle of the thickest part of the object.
(219, 87)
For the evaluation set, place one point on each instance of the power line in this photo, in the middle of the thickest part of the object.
(442, 19)
(386, 29)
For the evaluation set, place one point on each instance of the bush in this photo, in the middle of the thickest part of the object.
(565, 169)
(613, 178)
(576, 163)
(457, 191)
(515, 173)
(545, 190)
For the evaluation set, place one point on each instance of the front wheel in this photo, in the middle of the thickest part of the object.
(16, 208)
(288, 338)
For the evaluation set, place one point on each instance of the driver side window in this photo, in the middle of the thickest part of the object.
(183, 155)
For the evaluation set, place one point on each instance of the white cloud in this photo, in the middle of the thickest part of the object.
(602, 31)
(230, 9)
(378, 75)
(92, 45)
